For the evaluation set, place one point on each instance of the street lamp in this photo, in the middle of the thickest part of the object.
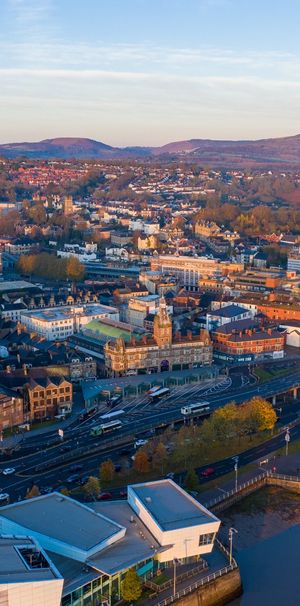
(175, 561)
(230, 536)
(287, 438)
(236, 461)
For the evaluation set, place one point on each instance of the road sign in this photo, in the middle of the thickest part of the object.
(287, 437)
(235, 467)
(61, 433)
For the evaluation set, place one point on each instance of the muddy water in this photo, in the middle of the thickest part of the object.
(267, 547)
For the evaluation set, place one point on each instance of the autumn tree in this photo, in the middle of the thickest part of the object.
(141, 463)
(34, 491)
(74, 269)
(160, 456)
(92, 487)
(259, 415)
(107, 471)
(131, 588)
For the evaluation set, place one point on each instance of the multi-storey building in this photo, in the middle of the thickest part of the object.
(61, 322)
(162, 352)
(86, 549)
(11, 409)
(189, 270)
(244, 341)
(27, 575)
(293, 263)
(48, 397)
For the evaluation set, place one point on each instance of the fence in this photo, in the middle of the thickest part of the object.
(255, 482)
(180, 577)
(204, 581)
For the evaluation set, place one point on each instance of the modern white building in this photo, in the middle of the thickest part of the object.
(28, 577)
(225, 314)
(92, 546)
(61, 322)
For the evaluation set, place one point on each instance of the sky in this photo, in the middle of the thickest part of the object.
(147, 72)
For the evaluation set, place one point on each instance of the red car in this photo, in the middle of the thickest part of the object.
(104, 496)
(208, 472)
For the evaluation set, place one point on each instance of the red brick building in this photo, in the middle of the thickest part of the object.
(245, 341)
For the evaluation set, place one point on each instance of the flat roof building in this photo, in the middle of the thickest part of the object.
(56, 323)
(92, 546)
(27, 575)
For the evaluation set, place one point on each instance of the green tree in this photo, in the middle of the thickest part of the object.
(131, 588)
(34, 491)
(92, 487)
(107, 471)
(191, 480)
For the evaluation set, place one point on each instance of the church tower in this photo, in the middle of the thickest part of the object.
(162, 326)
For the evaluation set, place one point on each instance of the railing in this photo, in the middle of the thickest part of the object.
(180, 577)
(197, 584)
(260, 479)
(226, 552)
(229, 493)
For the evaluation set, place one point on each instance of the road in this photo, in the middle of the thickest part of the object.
(41, 459)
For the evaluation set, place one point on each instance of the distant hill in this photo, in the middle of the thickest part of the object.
(284, 150)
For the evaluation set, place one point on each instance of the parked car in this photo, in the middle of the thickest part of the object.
(83, 480)
(76, 467)
(170, 475)
(123, 494)
(8, 471)
(46, 489)
(65, 448)
(209, 471)
(72, 479)
(4, 498)
(104, 496)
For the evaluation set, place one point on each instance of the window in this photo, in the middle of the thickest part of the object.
(206, 539)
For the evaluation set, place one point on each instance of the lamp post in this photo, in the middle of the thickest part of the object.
(230, 536)
(174, 576)
(287, 438)
(236, 467)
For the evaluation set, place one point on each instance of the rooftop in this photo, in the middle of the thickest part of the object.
(64, 519)
(230, 311)
(137, 545)
(170, 506)
(66, 312)
(21, 560)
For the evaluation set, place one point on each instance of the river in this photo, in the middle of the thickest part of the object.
(267, 547)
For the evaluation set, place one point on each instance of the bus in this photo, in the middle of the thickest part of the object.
(154, 389)
(159, 393)
(104, 428)
(115, 400)
(110, 416)
(199, 409)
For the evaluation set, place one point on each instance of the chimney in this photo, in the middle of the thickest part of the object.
(189, 335)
